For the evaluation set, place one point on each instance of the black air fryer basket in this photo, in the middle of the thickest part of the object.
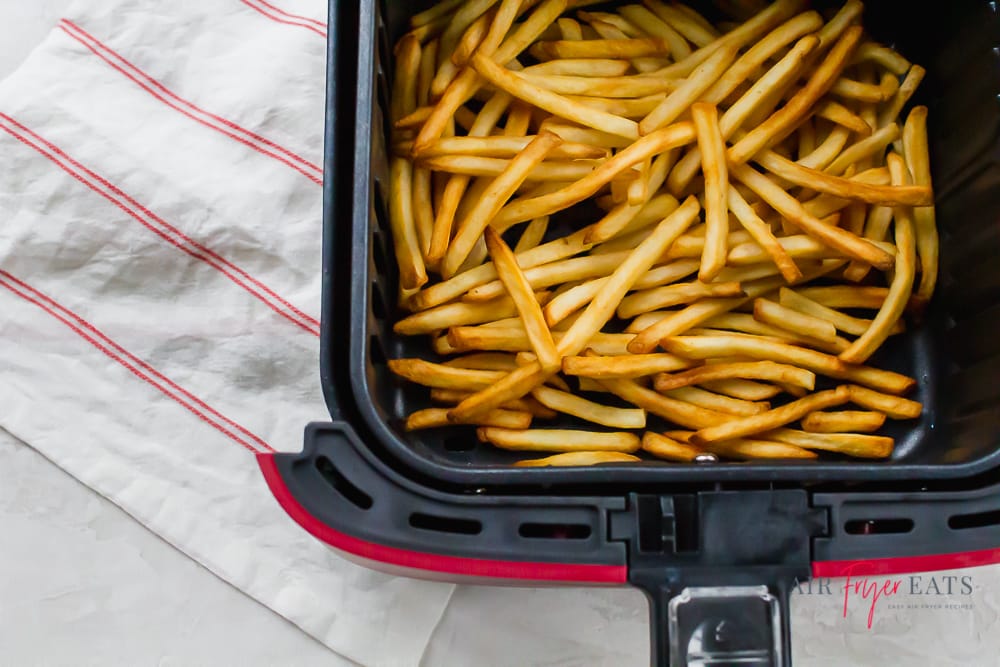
(709, 544)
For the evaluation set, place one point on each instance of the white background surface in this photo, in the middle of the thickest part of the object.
(81, 583)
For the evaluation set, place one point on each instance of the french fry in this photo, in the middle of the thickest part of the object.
(852, 444)
(467, 339)
(438, 417)
(748, 390)
(598, 67)
(841, 115)
(689, 91)
(893, 406)
(558, 440)
(843, 422)
(772, 419)
(716, 402)
(484, 361)
(865, 148)
(673, 295)
(846, 323)
(673, 410)
(775, 314)
(624, 366)
(532, 235)
(713, 165)
(750, 449)
(502, 147)
(783, 121)
(845, 242)
(902, 281)
(883, 56)
(924, 223)
(445, 377)
(554, 103)
(846, 296)
(763, 235)
(600, 48)
(567, 403)
(523, 299)
(602, 308)
(663, 447)
(578, 459)
(660, 141)
(458, 314)
(757, 370)
(890, 112)
(499, 191)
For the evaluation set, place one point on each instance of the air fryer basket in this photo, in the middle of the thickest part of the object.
(954, 356)
(709, 544)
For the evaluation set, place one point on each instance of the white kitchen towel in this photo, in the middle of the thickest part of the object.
(160, 222)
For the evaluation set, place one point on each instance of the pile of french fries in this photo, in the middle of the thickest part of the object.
(713, 226)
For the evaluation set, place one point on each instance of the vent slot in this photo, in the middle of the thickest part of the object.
(378, 304)
(351, 493)
(977, 520)
(377, 354)
(878, 526)
(445, 524)
(554, 531)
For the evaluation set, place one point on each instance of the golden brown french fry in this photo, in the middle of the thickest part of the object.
(454, 287)
(440, 10)
(467, 339)
(763, 235)
(578, 459)
(865, 148)
(600, 48)
(722, 404)
(828, 151)
(784, 120)
(567, 403)
(555, 273)
(893, 406)
(584, 135)
(852, 444)
(523, 299)
(820, 181)
(863, 92)
(558, 440)
(624, 366)
(560, 171)
(529, 405)
(844, 421)
(775, 314)
(772, 419)
(412, 273)
(602, 307)
(924, 222)
(846, 323)
(458, 314)
(902, 280)
(501, 147)
(430, 374)
(484, 361)
(658, 142)
(673, 295)
(673, 410)
(845, 242)
(748, 390)
(890, 112)
(677, 322)
(499, 191)
(750, 449)
(663, 447)
(532, 235)
(570, 29)
(688, 92)
(758, 370)
(521, 88)
(635, 85)
(438, 417)
(580, 67)
(841, 115)
(467, 44)
(846, 296)
(713, 166)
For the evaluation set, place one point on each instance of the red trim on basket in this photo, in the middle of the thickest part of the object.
(281, 16)
(427, 562)
(905, 564)
(312, 171)
(157, 225)
(134, 364)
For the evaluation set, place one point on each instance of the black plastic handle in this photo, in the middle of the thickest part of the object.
(718, 568)
(699, 626)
